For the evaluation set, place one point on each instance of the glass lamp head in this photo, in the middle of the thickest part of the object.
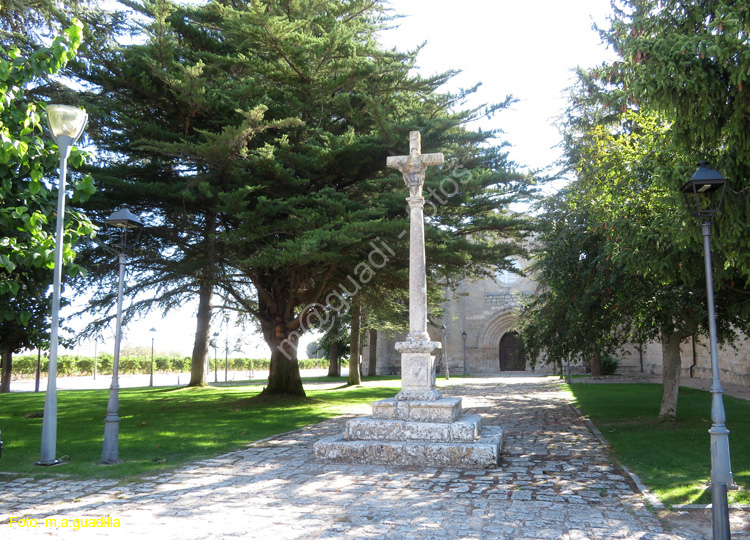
(66, 120)
(704, 192)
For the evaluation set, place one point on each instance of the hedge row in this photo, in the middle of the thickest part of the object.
(84, 365)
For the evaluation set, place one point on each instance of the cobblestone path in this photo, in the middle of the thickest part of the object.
(555, 481)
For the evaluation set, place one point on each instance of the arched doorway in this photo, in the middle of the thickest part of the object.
(511, 358)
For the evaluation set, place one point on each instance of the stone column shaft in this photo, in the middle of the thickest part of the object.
(417, 272)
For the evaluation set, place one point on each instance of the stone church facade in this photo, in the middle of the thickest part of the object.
(479, 336)
(486, 310)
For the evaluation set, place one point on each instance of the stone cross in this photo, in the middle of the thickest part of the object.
(414, 165)
(417, 362)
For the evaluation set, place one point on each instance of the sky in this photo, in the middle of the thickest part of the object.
(525, 49)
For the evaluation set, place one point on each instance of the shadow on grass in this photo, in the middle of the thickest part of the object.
(161, 428)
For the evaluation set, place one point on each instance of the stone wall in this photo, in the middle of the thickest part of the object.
(486, 310)
(734, 360)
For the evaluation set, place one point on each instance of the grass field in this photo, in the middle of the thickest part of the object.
(672, 458)
(165, 427)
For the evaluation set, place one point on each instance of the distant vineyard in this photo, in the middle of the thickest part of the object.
(84, 365)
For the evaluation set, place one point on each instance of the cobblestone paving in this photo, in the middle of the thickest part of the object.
(555, 481)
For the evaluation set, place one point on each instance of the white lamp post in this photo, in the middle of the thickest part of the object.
(153, 334)
(66, 124)
(445, 351)
(704, 193)
(124, 220)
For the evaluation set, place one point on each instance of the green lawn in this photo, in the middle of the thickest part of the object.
(164, 427)
(672, 458)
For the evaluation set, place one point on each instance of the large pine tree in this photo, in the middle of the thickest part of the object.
(254, 136)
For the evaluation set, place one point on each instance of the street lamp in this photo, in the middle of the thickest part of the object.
(704, 194)
(226, 349)
(216, 358)
(463, 336)
(445, 351)
(153, 334)
(66, 124)
(124, 220)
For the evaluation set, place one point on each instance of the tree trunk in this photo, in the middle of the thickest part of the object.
(354, 350)
(200, 346)
(671, 366)
(334, 366)
(6, 359)
(372, 365)
(283, 376)
(596, 365)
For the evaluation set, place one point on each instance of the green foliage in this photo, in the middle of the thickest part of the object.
(84, 365)
(689, 64)
(610, 365)
(256, 135)
(673, 459)
(633, 133)
(28, 206)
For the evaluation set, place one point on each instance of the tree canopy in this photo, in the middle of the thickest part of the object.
(634, 132)
(254, 136)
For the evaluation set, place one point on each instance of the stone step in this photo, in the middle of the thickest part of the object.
(440, 410)
(367, 428)
(481, 453)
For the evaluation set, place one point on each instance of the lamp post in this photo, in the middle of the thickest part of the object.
(445, 351)
(66, 124)
(226, 349)
(124, 220)
(703, 194)
(463, 336)
(153, 334)
(216, 358)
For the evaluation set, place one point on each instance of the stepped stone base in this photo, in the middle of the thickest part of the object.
(376, 429)
(480, 453)
(431, 433)
(440, 410)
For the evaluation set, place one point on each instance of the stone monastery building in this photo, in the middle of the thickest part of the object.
(487, 313)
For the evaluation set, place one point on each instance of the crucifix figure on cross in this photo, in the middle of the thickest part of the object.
(413, 166)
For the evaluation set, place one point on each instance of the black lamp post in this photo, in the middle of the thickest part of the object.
(123, 220)
(704, 194)
(463, 336)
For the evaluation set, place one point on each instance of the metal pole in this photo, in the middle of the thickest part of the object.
(226, 355)
(721, 470)
(38, 369)
(49, 420)
(110, 453)
(95, 358)
(466, 371)
(151, 381)
(445, 353)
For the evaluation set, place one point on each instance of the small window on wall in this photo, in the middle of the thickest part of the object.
(507, 278)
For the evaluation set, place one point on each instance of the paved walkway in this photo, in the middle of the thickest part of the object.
(555, 481)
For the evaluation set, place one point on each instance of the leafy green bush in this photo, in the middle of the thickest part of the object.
(610, 365)
(25, 365)
(66, 365)
(104, 363)
(131, 364)
(84, 365)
